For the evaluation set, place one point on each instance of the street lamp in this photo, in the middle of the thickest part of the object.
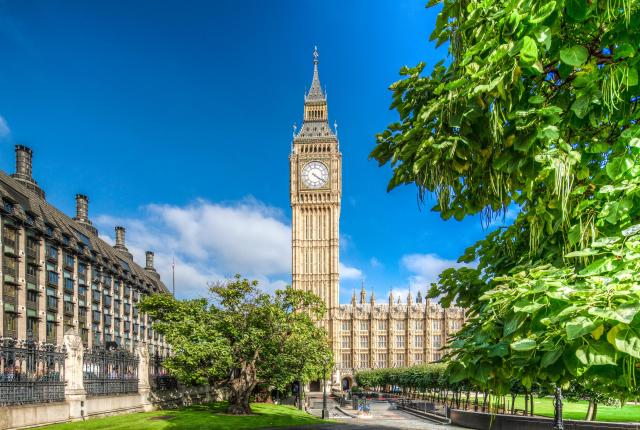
(299, 392)
(557, 415)
(325, 411)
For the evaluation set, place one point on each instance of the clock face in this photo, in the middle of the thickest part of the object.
(315, 174)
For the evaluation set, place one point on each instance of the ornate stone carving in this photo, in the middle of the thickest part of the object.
(73, 362)
(143, 366)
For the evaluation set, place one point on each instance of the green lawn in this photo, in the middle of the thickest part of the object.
(578, 410)
(202, 417)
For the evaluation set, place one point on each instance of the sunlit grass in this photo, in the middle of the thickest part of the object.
(201, 417)
(578, 410)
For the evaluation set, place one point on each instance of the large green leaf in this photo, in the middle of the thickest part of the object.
(575, 56)
(578, 10)
(529, 51)
(596, 354)
(526, 306)
(523, 345)
(630, 231)
(602, 265)
(512, 324)
(628, 340)
(550, 357)
(587, 252)
(498, 350)
(581, 106)
(579, 326)
(623, 313)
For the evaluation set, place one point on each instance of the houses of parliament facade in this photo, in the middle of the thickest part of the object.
(364, 334)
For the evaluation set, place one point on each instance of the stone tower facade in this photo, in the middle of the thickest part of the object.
(316, 190)
(363, 334)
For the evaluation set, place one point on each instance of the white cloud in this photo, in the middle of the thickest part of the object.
(5, 131)
(424, 269)
(375, 263)
(347, 272)
(427, 267)
(210, 242)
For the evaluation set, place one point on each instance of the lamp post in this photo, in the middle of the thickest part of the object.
(325, 411)
(557, 415)
(299, 392)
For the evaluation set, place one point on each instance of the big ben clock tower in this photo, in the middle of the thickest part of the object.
(316, 189)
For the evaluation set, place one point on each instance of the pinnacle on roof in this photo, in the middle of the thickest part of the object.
(315, 92)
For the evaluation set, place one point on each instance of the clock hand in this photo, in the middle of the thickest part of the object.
(317, 177)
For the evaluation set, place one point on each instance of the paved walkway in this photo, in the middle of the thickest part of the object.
(383, 416)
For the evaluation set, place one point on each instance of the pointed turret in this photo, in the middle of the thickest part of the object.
(419, 298)
(353, 298)
(390, 298)
(373, 299)
(315, 92)
(363, 294)
(409, 299)
(316, 116)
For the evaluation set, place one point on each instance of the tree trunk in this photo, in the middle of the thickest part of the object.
(513, 403)
(484, 402)
(592, 411)
(241, 386)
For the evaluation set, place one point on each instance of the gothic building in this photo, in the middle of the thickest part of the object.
(364, 334)
(59, 275)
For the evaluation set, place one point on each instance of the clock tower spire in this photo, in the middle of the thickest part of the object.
(315, 192)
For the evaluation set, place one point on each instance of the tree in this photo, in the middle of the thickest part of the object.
(534, 110)
(585, 390)
(240, 337)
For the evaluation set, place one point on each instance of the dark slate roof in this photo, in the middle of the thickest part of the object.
(32, 209)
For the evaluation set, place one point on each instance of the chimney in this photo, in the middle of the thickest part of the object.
(120, 231)
(149, 265)
(24, 156)
(82, 213)
(82, 208)
(24, 169)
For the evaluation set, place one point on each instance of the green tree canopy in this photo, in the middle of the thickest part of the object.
(534, 109)
(241, 337)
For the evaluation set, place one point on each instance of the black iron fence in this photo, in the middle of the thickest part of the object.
(159, 378)
(109, 372)
(31, 372)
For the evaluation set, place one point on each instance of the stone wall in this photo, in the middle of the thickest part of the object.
(78, 406)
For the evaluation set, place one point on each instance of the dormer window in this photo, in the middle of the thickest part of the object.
(49, 230)
(8, 206)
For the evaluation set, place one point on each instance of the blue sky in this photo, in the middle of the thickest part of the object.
(175, 117)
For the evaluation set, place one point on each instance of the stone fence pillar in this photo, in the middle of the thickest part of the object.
(144, 388)
(74, 392)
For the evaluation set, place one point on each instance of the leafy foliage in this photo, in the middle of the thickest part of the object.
(242, 337)
(422, 377)
(535, 109)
